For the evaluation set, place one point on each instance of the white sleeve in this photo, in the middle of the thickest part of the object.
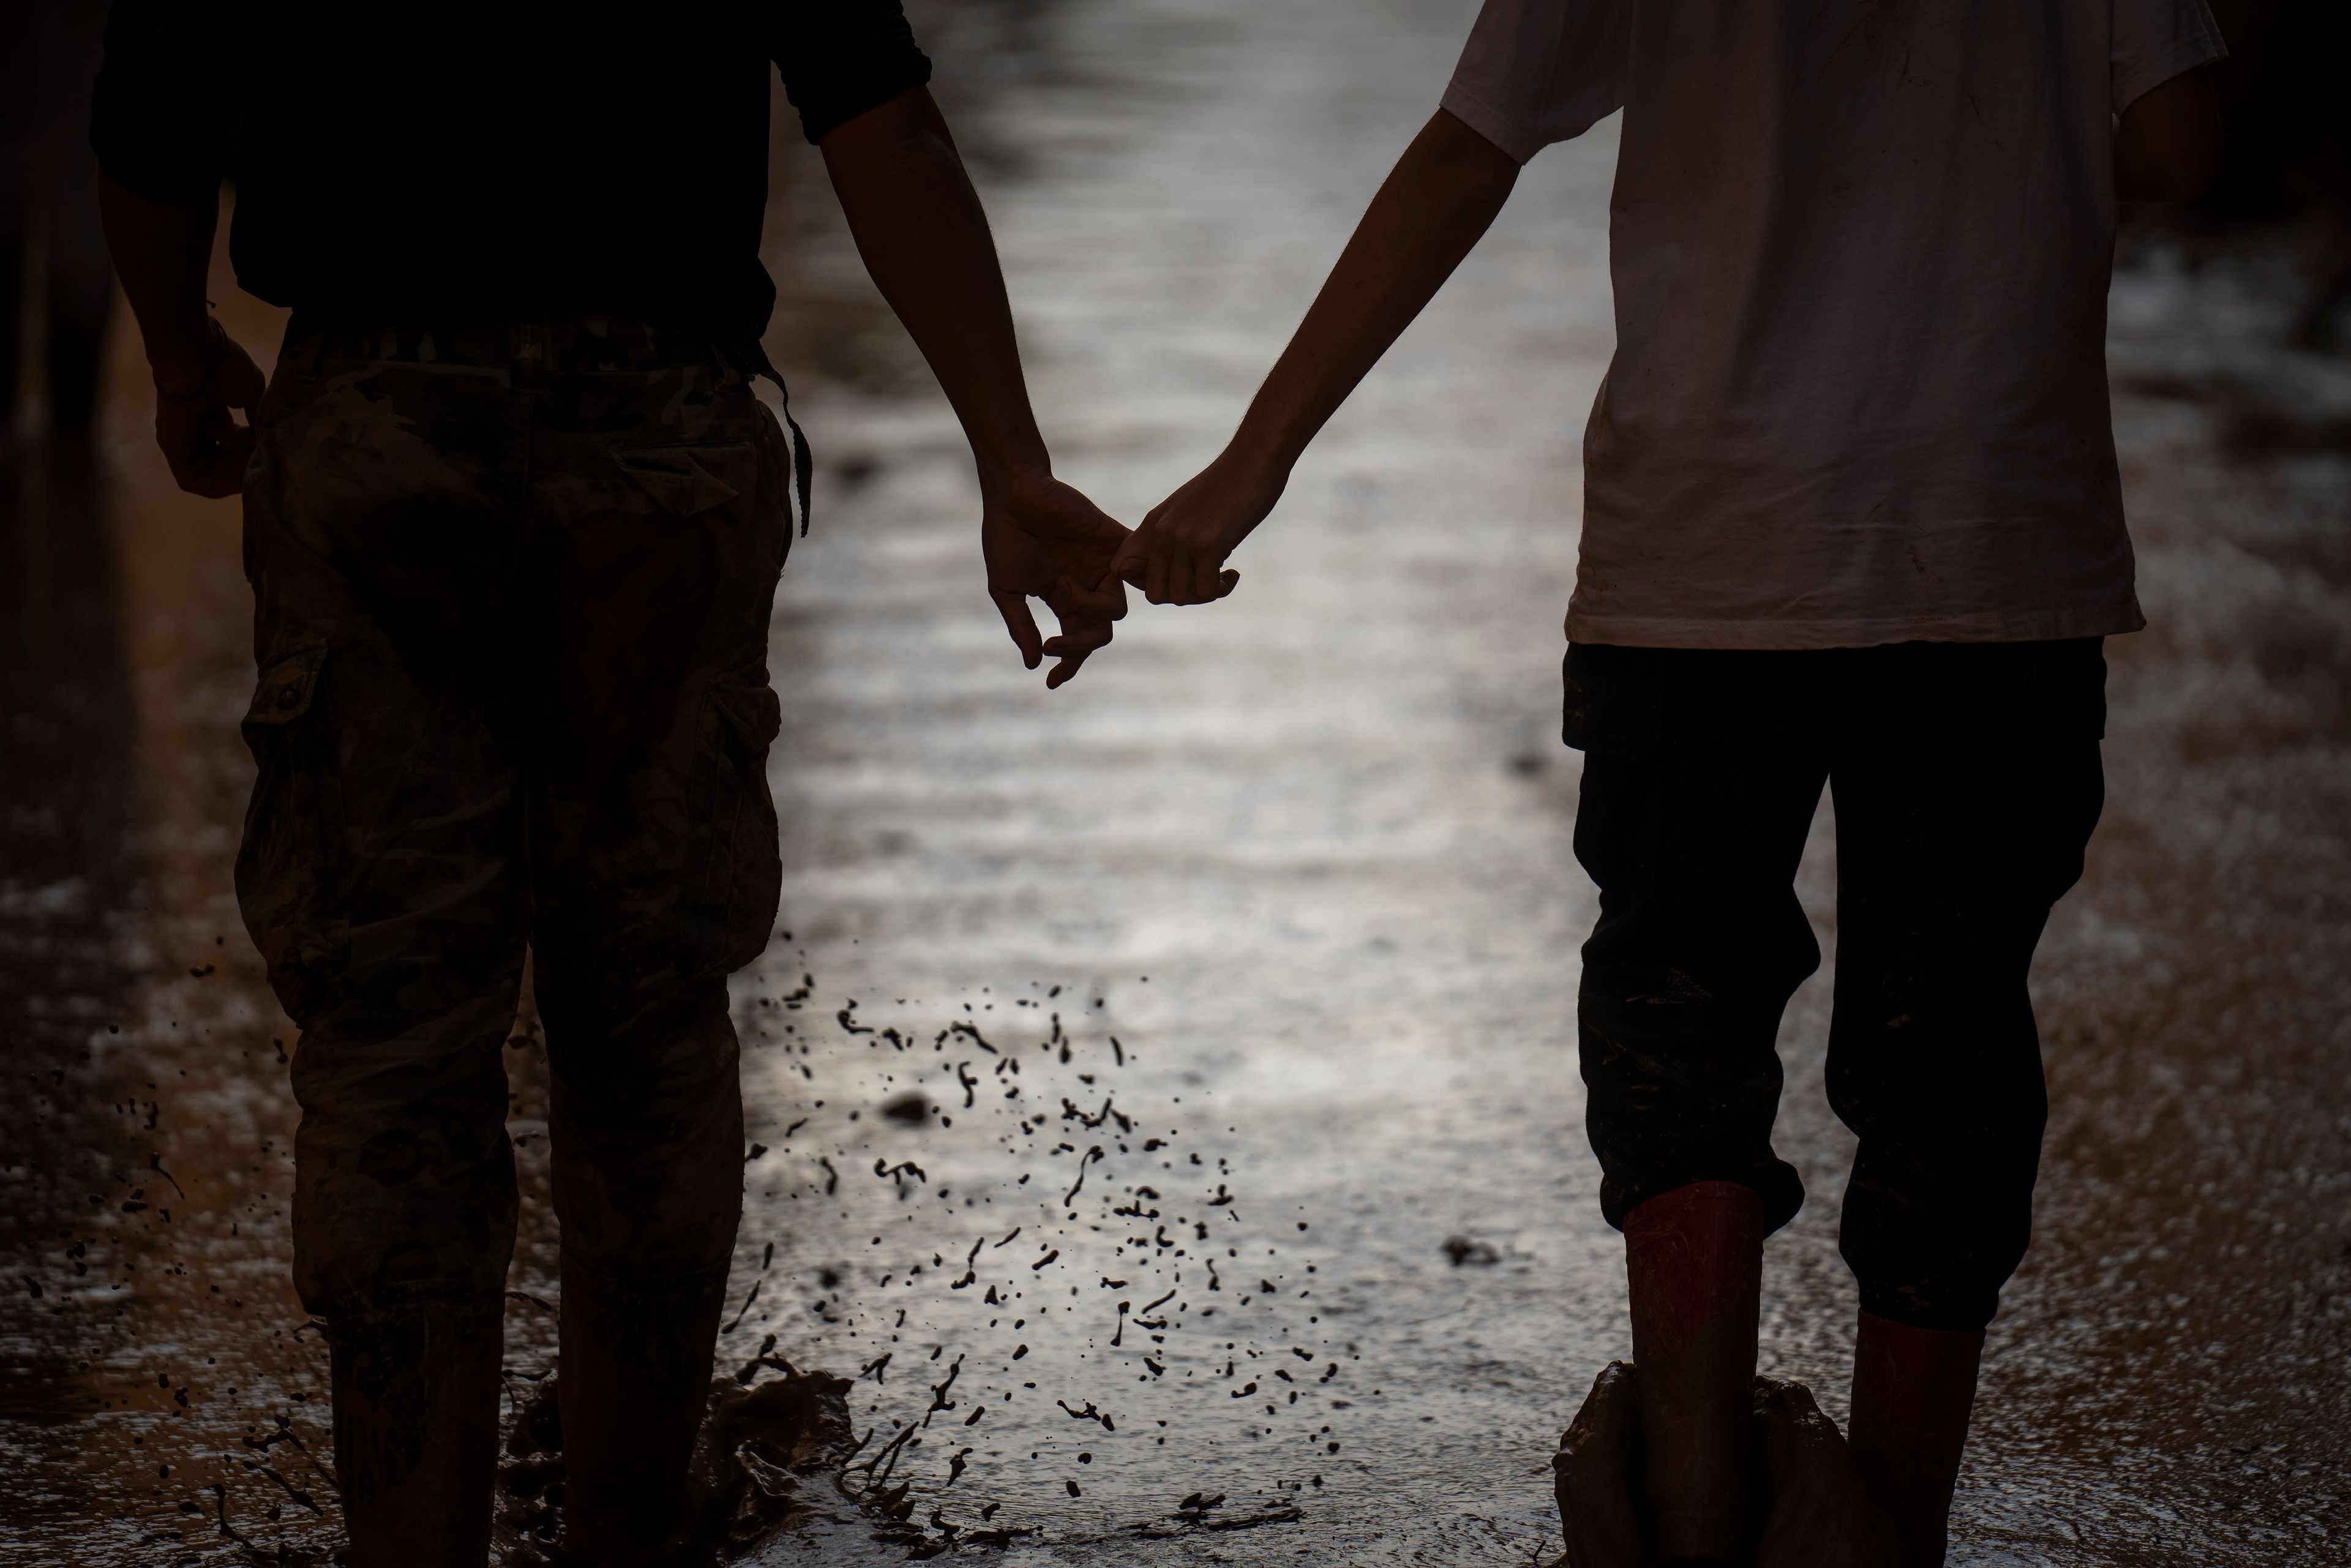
(2155, 40)
(1540, 71)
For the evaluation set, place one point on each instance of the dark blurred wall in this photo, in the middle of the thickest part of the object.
(2285, 89)
(55, 286)
(2286, 97)
(70, 832)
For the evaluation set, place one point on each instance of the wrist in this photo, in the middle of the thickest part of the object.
(183, 360)
(1014, 469)
(1256, 461)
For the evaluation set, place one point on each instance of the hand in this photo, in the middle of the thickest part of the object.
(1177, 555)
(205, 446)
(1043, 539)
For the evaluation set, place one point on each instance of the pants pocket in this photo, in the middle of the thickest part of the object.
(291, 865)
(685, 480)
(747, 872)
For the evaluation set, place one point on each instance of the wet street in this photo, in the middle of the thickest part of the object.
(1163, 1088)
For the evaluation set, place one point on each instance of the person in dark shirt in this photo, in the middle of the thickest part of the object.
(438, 160)
(514, 519)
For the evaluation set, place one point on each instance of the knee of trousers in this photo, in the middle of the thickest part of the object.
(1939, 1268)
(404, 1185)
(1934, 1225)
(1681, 1093)
(1950, 1123)
(647, 1129)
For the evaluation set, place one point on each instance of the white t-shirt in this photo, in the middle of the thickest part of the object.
(1861, 252)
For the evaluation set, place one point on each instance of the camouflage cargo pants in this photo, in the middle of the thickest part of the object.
(513, 585)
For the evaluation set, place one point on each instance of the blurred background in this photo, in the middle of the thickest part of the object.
(1211, 1019)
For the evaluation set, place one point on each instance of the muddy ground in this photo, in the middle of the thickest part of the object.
(1165, 1087)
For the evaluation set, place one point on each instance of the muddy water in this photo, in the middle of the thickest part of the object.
(1236, 980)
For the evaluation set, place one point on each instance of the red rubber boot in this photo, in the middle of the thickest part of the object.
(1694, 1259)
(1912, 1392)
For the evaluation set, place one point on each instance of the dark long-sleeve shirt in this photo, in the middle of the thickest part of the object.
(433, 160)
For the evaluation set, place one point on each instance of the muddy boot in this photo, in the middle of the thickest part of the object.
(1694, 1258)
(636, 1359)
(1817, 1512)
(416, 1433)
(1912, 1392)
(1596, 1472)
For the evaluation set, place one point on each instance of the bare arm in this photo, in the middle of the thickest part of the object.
(164, 256)
(923, 237)
(2168, 146)
(1437, 203)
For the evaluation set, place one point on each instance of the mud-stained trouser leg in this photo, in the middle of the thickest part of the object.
(513, 586)
(1966, 793)
(1967, 783)
(1701, 774)
(382, 878)
(654, 873)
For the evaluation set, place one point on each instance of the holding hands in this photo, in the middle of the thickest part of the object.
(1435, 206)
(919, 226)
(1042, 540)
(1177, 555)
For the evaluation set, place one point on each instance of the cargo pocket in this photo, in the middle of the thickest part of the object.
(684, 480)
(290, 868)
(747, 870)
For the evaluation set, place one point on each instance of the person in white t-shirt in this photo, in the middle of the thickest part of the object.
(1851, 517)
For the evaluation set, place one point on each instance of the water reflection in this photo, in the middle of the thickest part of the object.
(66, 789)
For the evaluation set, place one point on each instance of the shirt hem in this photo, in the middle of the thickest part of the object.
(2038, 626)
(2181, 58)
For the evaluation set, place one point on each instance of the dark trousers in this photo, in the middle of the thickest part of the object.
(512, 589)
(1967, 781)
